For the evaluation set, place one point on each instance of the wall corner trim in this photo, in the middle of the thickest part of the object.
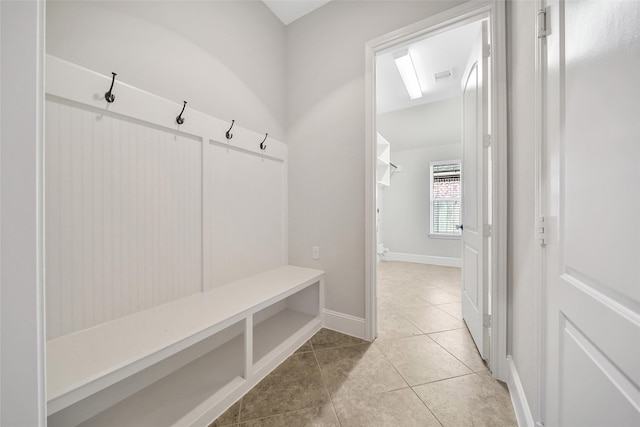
(518, 397)
(344, 323)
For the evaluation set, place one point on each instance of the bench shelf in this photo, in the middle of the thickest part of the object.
(184, 362)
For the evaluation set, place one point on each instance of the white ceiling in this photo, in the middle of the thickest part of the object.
(449, 50)
(290, 10)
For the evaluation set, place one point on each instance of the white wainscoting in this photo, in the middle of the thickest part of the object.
(244, 193)
(139, 210)
(123, 216)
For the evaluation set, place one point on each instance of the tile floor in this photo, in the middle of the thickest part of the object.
(422, 370)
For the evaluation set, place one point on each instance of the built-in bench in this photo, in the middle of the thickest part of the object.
(183, 362)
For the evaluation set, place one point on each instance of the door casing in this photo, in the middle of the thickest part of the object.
(467, 12)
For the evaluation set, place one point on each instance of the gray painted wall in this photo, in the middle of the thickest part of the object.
(225, 58)
(406, 208)
(521, 246)
(433, 124)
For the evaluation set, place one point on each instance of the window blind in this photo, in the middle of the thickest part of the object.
(445, 198)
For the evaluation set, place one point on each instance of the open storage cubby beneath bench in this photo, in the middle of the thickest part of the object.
(185, 362)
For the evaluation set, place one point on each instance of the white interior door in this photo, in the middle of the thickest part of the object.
(591, 109)
(475, 219)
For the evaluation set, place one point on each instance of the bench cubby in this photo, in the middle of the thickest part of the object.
(183, 363)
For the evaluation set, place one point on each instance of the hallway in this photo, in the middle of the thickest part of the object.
(422, 370)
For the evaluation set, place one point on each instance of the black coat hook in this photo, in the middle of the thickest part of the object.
(110, 97)
(180, 119)
(229, 135)
(263, 146)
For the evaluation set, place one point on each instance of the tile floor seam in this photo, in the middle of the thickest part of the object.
(445, 379)
(279, 414)
(240, 410)
(427, 406)
(456, 357)
(392, 365)
(325, 386)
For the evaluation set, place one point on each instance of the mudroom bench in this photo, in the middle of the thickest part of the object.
(185, 362)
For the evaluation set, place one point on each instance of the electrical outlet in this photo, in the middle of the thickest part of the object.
(315, 252)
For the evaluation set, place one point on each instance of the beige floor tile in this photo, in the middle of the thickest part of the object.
(326, 338)
(357, 371)
(431, 319)
(436, 295)
(305, 347)
(454, 309)
(323, 416)
(420, 360)
(391, 409)
(297, 367)
(392, 325)
(401, 299)
(459, 343)
(471, 400)
(229, 418)
(273, 397)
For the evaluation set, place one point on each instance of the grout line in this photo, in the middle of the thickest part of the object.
(427, 406)
(325, 386)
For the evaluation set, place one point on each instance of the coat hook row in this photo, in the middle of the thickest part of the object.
(229, 135)
(180, 119)
(263, 146)
(109, 96)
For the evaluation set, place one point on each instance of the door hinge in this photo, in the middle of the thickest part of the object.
(486, 51)
(542, 23)
(486, 230)
(487, 140)
(486, 321)
(542, 230)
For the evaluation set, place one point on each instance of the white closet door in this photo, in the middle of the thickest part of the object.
(474, 193)
(592, 255)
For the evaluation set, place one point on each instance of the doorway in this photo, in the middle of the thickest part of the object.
(443, 89)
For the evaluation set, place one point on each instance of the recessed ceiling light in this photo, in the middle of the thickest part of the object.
(408, 73)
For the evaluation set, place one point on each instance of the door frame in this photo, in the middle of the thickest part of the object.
(467, 12)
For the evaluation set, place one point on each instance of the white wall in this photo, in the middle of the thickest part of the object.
(436, 123)
(225, 58)
(22, 391)
(325, 104)
(406, 209)
(521, 284)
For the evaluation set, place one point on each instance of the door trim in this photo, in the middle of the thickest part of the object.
(467, 12)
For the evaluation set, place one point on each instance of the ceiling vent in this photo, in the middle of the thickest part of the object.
(443, 75)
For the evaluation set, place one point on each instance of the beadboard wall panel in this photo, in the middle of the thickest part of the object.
(123, 216)
(140, 210)
(245, 193)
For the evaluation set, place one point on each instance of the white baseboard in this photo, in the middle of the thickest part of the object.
(344, 323)
(423, 259)
(518, 398)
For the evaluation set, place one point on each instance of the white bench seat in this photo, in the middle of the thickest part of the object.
(86, 362)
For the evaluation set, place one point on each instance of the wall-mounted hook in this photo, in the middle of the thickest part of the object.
(110, 97)
(263, 146)
(180, 119)
(229, 135)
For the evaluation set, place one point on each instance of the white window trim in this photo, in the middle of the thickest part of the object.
(433, 235)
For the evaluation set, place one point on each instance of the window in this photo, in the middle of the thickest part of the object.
(445, 198)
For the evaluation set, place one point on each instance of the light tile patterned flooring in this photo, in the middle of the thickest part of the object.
(422, 370)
